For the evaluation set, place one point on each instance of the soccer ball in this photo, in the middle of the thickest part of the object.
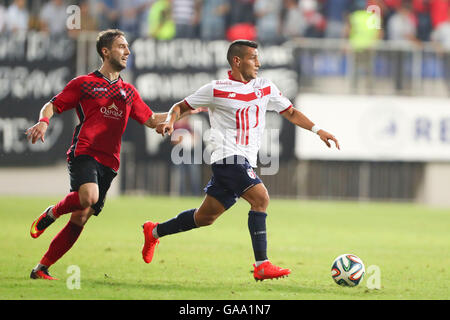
(347, 270)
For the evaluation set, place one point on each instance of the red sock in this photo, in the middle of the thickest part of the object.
(61, 243)
(70, 203)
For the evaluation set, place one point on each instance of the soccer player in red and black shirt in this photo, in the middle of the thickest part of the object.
(103, 103)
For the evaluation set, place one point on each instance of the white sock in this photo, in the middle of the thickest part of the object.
(50, 213)
(38, 267)
(155, 233)
(258, 263)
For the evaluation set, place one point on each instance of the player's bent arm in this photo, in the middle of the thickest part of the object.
(37, 131)
(299, 119)
(178, 110)
(158, 118)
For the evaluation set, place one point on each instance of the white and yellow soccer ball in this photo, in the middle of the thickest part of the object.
(347, 270)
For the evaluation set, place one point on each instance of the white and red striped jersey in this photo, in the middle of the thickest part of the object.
(237, 114)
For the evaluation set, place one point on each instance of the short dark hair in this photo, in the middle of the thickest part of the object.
(236, 49)
(106, 38)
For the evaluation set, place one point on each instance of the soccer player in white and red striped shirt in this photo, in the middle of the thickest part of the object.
(237, 108)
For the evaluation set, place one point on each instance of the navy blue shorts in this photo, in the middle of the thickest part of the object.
(231, 177)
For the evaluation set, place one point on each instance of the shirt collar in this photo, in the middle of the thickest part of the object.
(231, 78)
(101, 75)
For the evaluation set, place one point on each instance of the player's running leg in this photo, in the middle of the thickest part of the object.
(62, 243)
(258, 198)
(208, 212)
(86, 196)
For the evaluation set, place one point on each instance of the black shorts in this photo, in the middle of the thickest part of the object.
(84, 169)
(231, 178)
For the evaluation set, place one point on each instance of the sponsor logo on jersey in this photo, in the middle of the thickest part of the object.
(226, 83)
(100, 89)
(112, 112)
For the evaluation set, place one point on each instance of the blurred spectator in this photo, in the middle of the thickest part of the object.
(17, 17)
(241, 21)
(401, 28)
(362, 39)
(314, 19)
(241, 11)
(268, 23)
(441, 35)
(243, 30)
(107, 14)
(336, 12)
(438, 11)
(185, 15)
(362, 35)
(293, 22)
(402, 25)
(53, 17)
(421, 10)
(441, 39)
(390, 7)
(213, 19)
(161, 24)
(133, 16)
(2, 15)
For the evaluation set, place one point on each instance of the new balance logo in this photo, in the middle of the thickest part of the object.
(232, 95)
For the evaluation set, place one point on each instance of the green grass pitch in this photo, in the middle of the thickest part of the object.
(410, 244)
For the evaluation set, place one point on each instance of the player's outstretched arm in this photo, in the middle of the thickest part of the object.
(175, 113)
(159, 118)
(37, 132)
(299, 119)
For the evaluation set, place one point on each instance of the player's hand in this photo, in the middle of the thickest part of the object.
(326, 136)
(163, 128)
(198, 110)
(37, 132)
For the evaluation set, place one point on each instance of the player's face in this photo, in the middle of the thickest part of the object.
(119, 53)
(249, 64)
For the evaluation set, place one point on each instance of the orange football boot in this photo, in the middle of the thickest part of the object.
(150, 241)
(40, 224)
(267, 270)
(41, 274)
